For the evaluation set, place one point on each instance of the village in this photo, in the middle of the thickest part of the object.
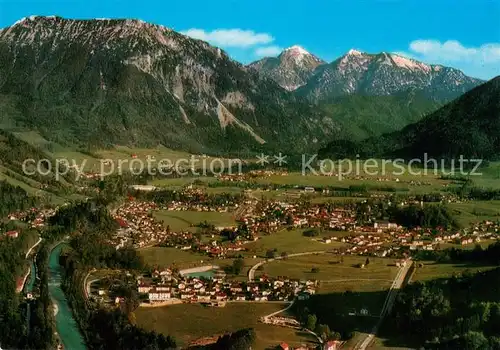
(325, 223)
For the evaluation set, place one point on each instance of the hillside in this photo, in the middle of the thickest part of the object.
(361, 116)
(468, 126)
(103, 82)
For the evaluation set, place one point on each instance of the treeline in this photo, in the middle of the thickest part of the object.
(490, 255)
(92, 250)
(334, 191)
(167, 196)
(321, 314)
(457, 313)
(14, 199)
(240, 340)
(466, 191)
(91, 214)
(410, 216)
(427, 216)
(13, 329)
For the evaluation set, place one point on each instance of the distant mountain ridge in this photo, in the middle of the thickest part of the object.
(291, 69)
(469, 127)
(358, 72)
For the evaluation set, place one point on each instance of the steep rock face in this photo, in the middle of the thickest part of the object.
(385, 74)
(291, 69)
(126, 81)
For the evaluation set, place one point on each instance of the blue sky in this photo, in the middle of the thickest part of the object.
(462, 34)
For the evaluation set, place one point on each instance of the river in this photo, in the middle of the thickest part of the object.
(66, 326)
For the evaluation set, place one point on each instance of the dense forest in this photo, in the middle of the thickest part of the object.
(12, 332)
(410, 216)
(488, 256)
(167, 196)
(14, 199)
(458, 313)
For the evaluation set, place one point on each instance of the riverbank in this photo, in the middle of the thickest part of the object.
(66, 326)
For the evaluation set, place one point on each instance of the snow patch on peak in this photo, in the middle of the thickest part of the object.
(19, 21)
(298, 50)
(353, 52)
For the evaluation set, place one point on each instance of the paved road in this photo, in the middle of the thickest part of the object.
(389, 302)
(251, 272)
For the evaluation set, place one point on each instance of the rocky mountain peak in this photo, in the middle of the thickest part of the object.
(290, 69)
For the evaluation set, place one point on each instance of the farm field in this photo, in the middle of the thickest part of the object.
(335, 276)
(183, 220)
(434, 183)
(325, 199)
(469, 212)
(180, 181)
(216, 190)
(490, 176)
(290, 242)
(166, 257)
(432, 270)
(208, 321)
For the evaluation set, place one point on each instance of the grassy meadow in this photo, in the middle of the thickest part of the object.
(433, 270)
(335, 276)
(212, 321)
(290, 242)
(183, 220)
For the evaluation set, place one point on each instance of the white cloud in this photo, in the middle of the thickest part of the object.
(454, 51)
(230, 37)
(268, 51)
(479, 61)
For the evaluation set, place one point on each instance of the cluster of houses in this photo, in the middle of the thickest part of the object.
(34, 217)
(137, 225)
(139, 228)
(390, 240)
(274, 215)
(165, 286)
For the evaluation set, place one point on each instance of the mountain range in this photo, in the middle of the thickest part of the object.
(358, 72)
(468, 127)
(96, 83)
